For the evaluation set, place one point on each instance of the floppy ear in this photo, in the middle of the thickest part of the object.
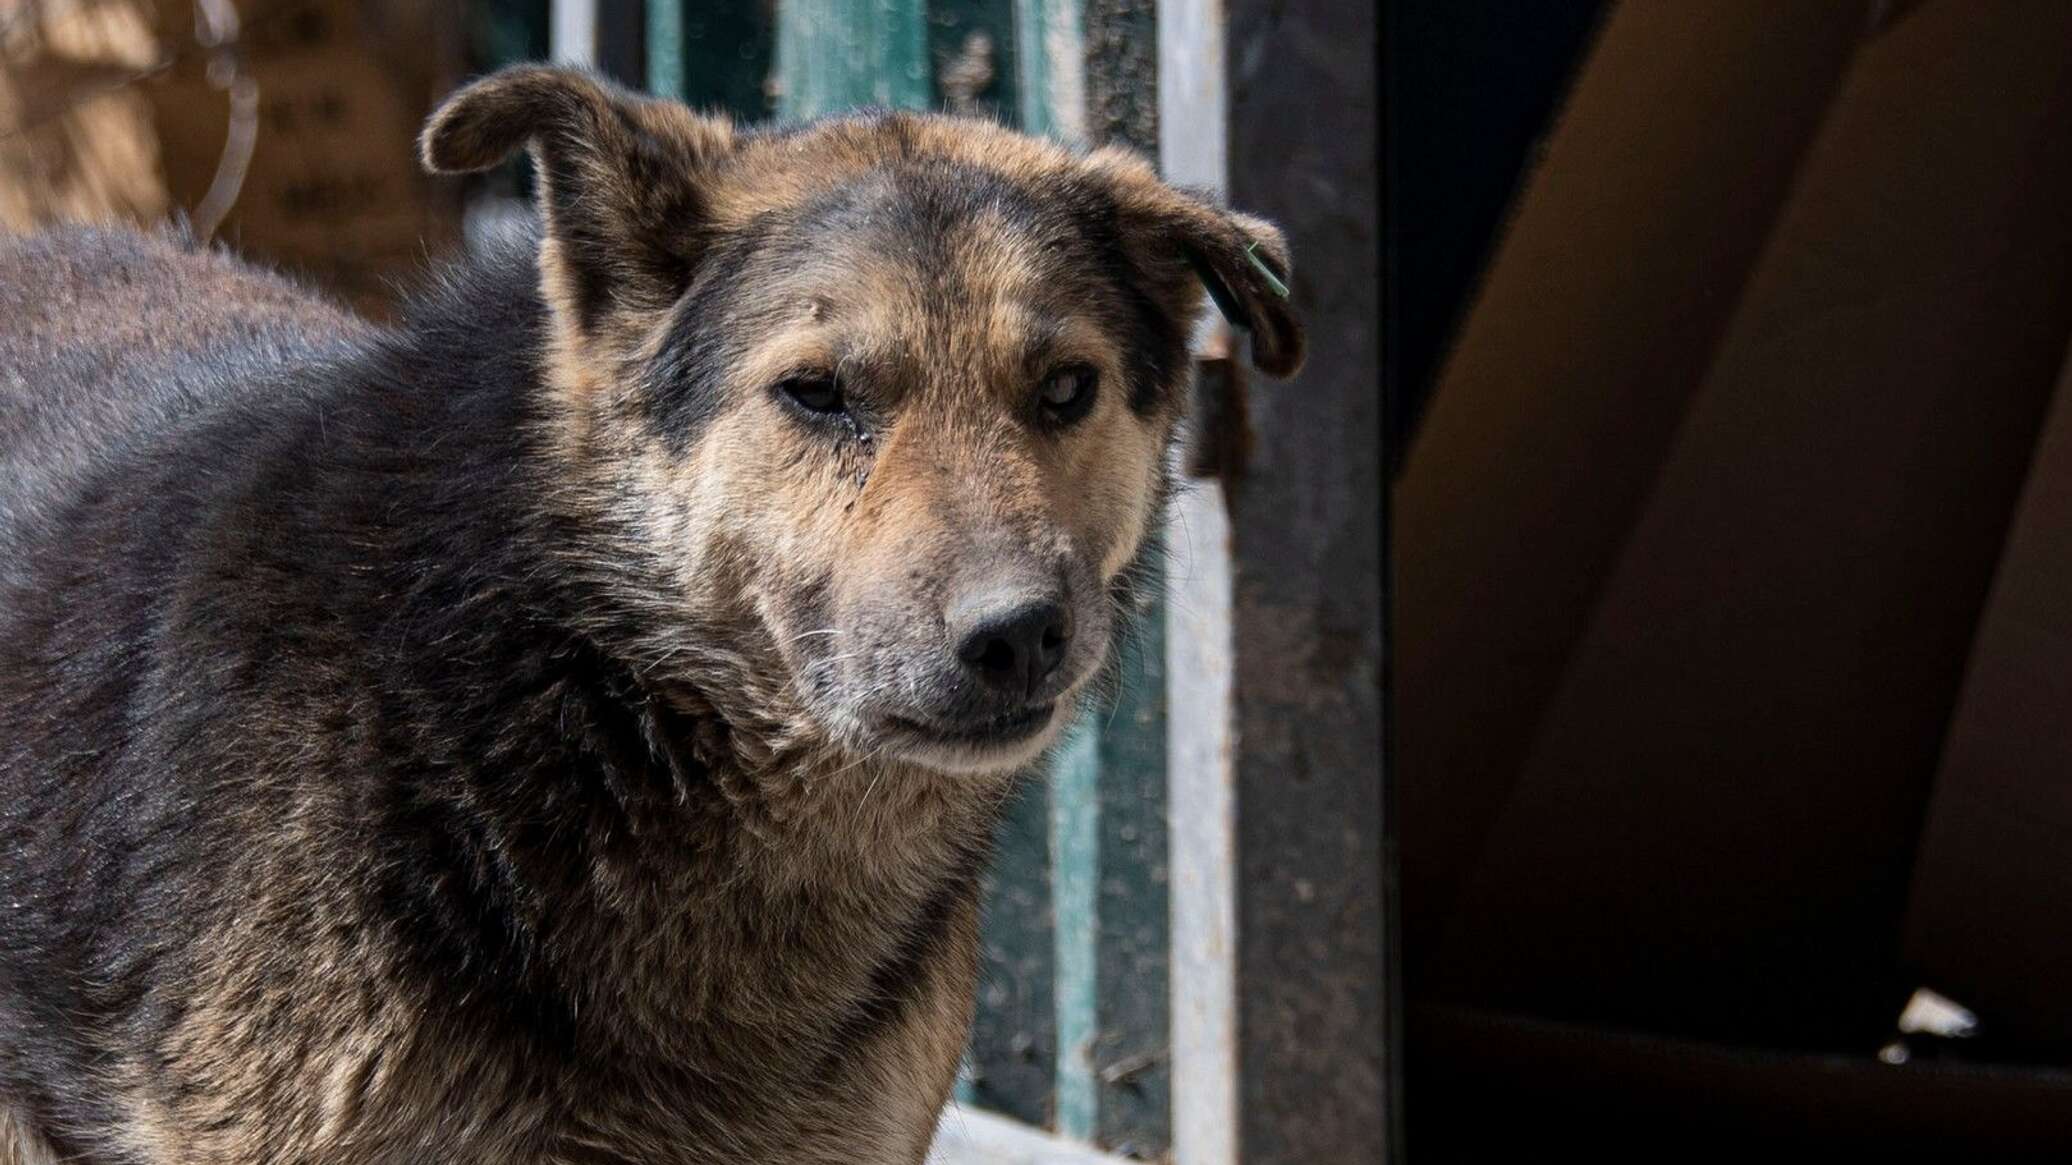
(620, 179)
(1242, 261)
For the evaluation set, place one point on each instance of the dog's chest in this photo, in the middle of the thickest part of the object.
(802, 1021)
(848, 1061)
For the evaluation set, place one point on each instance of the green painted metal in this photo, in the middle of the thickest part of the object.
(1107, 802)
(503, 31)
(711, 56)
(1076, 926)
(1111, 82)
(1108, 844)
(728, 56)
(1032, 67)
(839, 54)
(665, 60)
(1012, 1060)
(1133, 939)
(1049, 67)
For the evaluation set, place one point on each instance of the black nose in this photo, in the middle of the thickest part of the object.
(1012, 644)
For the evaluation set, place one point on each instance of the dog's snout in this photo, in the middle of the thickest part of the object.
(1011, 642)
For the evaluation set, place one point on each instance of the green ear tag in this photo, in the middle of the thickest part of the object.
(1273, 281)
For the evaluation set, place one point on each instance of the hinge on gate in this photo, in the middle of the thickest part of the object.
(1219, 437)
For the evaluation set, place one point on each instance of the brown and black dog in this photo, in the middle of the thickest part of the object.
(567, 726)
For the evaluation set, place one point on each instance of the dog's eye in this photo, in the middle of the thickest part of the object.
(815, 394)
(1068, 394)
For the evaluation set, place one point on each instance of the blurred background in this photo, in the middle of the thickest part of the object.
(1708, 365)
(1733, 745)
(282, 129)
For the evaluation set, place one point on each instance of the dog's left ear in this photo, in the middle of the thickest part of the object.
(620, 179)
(1242, 261)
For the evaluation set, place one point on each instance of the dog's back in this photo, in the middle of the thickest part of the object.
(109, 339)
(113, 344)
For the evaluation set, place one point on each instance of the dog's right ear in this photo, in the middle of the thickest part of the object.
(620, 178)
(1182, 236)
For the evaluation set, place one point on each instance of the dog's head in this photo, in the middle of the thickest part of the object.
(894, 392)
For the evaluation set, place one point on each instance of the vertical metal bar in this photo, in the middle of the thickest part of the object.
(1050, 67)
(665, 48)
(1012, 1060)
(1110, 60)
(621, 41)
(1108, 802)
(572, 32)
(603, 35)
(1108, 862)
(724, 54)
(1132, 1052)
(1202, 807)
(1032, 66)
(1200, 731)
(1075, 864)
(1201, 799)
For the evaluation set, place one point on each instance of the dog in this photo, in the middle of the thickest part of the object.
(567, 725)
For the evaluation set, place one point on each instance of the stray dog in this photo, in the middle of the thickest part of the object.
(568, 726)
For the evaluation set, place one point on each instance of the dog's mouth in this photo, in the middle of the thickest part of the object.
(1000, 731)
(992, 744)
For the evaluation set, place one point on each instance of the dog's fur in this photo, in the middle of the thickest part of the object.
(527, 734)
